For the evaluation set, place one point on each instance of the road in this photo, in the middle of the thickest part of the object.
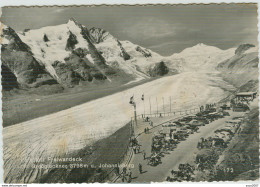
(70, 130)
(184, 153)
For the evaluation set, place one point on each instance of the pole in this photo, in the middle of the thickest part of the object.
(150, 105)
(170, 104)
(144, 108)
(163, 105)
(135, 114)
(157, 105)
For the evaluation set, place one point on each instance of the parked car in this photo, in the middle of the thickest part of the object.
(196, 123)
(202, 119)
(225, 113)
(225, 107)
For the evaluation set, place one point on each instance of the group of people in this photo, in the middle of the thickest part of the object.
(146, 119)
(205, 143)
(136, 149)
(146, 130)
(126, 175)
(133, 142)
(207, 106)
(184, 172)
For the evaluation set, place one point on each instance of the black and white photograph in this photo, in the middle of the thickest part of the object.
(130, 93)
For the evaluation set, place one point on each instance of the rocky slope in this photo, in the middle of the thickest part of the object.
(18, 63)
(242, 68)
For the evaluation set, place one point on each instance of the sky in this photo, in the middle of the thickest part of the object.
(164, 29)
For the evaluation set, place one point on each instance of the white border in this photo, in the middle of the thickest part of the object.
(117, 2)
(98, 2)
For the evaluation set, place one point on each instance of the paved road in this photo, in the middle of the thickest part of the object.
(184, 153)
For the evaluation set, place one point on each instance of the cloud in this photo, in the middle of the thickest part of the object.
(147, 28)
(59, 10)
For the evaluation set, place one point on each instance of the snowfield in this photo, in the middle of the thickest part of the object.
(200, 57)
(70, 130)
(53, 50)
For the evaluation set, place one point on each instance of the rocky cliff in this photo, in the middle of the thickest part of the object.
(19, 67)
(242, 68)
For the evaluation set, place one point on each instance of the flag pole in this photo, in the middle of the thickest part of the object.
(150, 105)
(163, 105)
(135, 114)
(144, 108)
(170, 104)
(157, 105)
(133, 104)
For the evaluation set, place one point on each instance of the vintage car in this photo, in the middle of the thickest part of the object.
(203, 119)
(180, 135)
(196, 123)
(225, 107)
(240, 107)
(225, 113)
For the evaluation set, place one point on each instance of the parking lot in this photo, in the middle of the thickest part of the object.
(173, 143)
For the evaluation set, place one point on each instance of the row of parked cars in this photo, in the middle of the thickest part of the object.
(190, 124)
(221, 136)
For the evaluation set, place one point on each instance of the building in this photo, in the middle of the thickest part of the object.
(246, 96)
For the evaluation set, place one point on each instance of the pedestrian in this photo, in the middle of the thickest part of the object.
(129, 179)
(117, 171)
(151, 124)
(144, 155)
(130, 174)
(123, 177)
(145, 130)
(138, 149)
(140, 168)
(124, 170)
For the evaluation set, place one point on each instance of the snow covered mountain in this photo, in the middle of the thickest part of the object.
(201, 57)
(69, 54)
(242, 68)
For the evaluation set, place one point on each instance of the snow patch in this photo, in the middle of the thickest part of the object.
(54, 49)
(90, 59)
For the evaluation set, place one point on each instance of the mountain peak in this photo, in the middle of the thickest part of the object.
(201, 44)
(72, 21)
(243, 47)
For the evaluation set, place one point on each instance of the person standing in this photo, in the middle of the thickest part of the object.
(124, 170)
(123, 177)
(140, 168)
(138, 149)
(117, 171)
(129, 176)
(144, 155)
